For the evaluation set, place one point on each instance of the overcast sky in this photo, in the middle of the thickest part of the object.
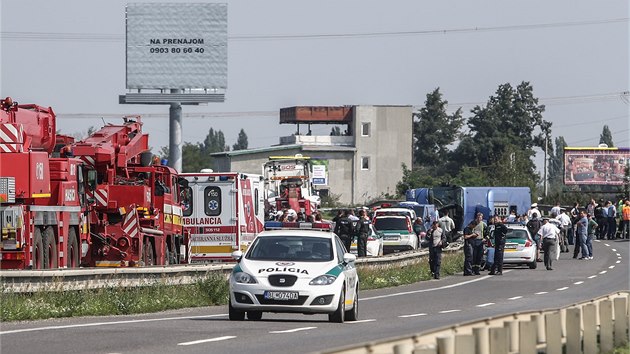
(71, 55)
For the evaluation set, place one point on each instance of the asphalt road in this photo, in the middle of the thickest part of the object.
(383, 313)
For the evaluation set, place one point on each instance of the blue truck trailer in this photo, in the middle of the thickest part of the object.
(462, 203)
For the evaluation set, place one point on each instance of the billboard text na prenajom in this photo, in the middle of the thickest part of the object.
(595, 166)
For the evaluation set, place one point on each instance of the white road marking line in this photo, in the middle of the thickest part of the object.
(618, 255)
(294, 330)
(414, 315)
(486, 304)
(607, 244)
(432, 289)
(618, 262)
(611, 267)
(515, 298)
(94, 324)
(361, 321)
(578, 282)
(207, 340)
(541, 293)
(614, 250)
(449, 311)
(597, 240)
(592, 276)
(603, 272)
(563, 288)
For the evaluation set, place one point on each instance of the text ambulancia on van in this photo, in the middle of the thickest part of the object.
(222, 212)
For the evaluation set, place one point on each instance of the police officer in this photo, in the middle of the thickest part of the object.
(500, 231)
(343, 228)
(363, 230)
(480, 231)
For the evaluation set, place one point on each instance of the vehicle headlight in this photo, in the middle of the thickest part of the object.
(323, 280)
(244, 278)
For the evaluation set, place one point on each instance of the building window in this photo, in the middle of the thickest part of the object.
(365, 129)
(365, 163)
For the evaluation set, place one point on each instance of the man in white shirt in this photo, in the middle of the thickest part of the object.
(533, 212)
(556, 209)
(565, 226)
(447, 225)
(549, 234)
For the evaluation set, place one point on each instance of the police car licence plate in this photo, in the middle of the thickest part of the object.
(281, 295)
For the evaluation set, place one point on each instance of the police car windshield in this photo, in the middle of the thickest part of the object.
(382, 224)
(516, 234)
(293, 248)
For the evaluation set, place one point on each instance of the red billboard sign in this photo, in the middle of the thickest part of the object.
(597, 166)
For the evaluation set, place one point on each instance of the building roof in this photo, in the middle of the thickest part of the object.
(316, 114)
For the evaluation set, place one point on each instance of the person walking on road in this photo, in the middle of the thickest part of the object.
(582, 235)
(435, 249)
(469, 237)
(565, 225)
(363, 230)
(549, 234)
(612, 223)
(592, 226)
(343, 228)
(500, 232)
(480, 230)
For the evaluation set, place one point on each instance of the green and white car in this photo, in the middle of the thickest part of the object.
(294, 270)
(397, 233)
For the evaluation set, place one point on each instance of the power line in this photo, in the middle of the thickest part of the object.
(110, 37)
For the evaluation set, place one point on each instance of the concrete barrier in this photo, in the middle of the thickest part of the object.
(605, 318)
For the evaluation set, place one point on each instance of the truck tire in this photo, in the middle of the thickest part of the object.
(73, 249)
(339, 314)
(38, 249)
(148, 256)
(50, 249)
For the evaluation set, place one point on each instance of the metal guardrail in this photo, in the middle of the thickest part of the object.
(94, 278)
(589, 327)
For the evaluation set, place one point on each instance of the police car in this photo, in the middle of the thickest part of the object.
(294, 268)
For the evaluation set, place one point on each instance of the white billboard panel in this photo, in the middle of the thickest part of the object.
(176, 46)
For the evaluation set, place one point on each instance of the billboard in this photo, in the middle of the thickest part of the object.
(176, 46)
(595, 166)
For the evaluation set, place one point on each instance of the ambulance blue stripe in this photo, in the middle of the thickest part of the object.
(237, 268)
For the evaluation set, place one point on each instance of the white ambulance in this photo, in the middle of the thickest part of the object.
(222, 212)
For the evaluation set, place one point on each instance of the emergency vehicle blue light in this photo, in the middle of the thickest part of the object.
(273, 225)
(223, 178)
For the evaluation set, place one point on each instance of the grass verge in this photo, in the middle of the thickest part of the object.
(210, 290)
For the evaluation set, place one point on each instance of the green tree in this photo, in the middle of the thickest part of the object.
(504, 133)
(434, 130)
(416, 178)
(556, 165)
(606, 137)
(241, 142)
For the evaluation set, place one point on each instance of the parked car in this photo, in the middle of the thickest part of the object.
(520, 247)
(397, 233)
(408, 212)
(374, 244)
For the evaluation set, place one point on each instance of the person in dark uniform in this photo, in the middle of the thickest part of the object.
(480, 231)
(500, 231)
(468, 247)
(343, 229)
(363, 230)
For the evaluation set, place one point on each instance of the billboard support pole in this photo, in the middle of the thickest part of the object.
(175, 134)
(545, 166)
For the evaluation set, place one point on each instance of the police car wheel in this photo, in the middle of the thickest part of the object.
(338, 315)
(254, 315)
(532, 265)
(353, 314)
(234, 314)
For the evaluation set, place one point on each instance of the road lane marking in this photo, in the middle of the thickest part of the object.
(449, 311)
(413, 315)
(611, 267)
(618, 262)
(217, 339)
(432, 289)
(515, 298)
(614, 250)
(607, 244)
(94, 324)
(578, 282)
(592, 276)
(361, 321)
(541, 293)
(486, 304)
(294, 330)
(563, 288)
(618, 255)
(597, 241)
(603, 272)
